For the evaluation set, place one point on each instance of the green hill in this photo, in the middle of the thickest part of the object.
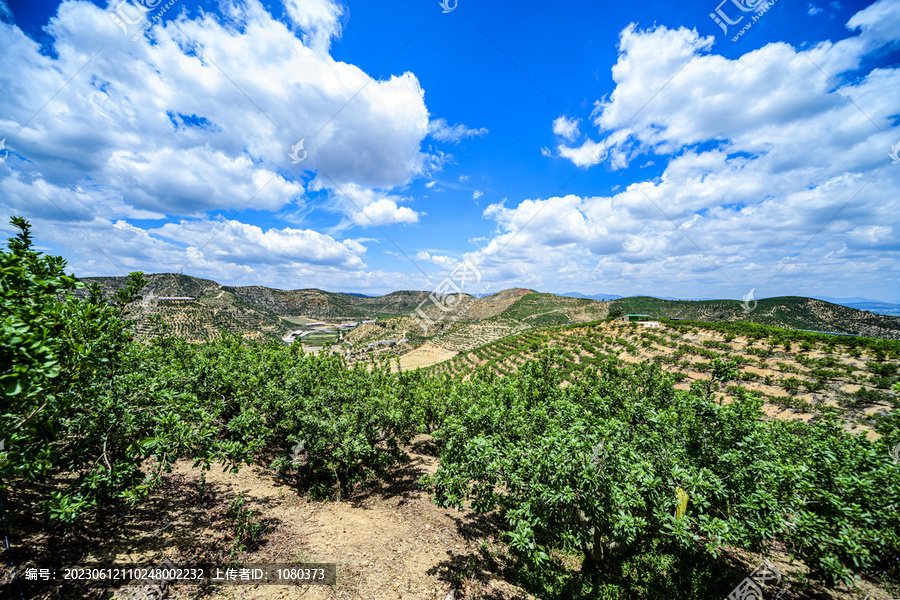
(790, 312)
(256, 311)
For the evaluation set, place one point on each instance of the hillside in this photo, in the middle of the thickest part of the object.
(256, 311)
(791, 312)
(312, 303)
(159, 284)
(799, 377)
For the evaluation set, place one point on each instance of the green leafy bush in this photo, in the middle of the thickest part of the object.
(593, 468)
(80, 415)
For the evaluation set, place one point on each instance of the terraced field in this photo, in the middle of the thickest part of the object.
(204, 318)
(792, 312)
(797, 379)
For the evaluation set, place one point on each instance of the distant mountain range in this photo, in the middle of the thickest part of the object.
(262, 312)
(599, 297)
(866, 304)
(873, 306)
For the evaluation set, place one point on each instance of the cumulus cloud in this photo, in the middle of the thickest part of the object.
(367, 207)
(198, 117)
(741, 198)
(772, 100)
(440, 131)
(385, 212)
(319, 20)
(240, 243)
(477, 194)
(204, 117)
(878, 23)
(224, 250)
(588, 154)
(566, 128)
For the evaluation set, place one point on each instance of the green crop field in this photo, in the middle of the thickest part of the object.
(597, 459)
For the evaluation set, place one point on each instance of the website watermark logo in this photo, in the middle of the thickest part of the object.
(299, 454)
(895, 154)
(746, 300)
(131, 13)
(751, 588)
(448, 295)
(445, 4)
(739, 9)
(295, 152)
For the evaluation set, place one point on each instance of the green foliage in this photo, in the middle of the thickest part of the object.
(593, 467)
(247, 529)
(85, 407)
(584, 470)
(791, 384)
(68, 406)
(883, 369)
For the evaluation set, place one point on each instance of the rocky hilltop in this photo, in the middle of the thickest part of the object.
(262, 312)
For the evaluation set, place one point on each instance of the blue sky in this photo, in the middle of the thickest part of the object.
(621, 148)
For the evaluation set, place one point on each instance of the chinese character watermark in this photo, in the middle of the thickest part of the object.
(751, 588)
(130, 13)
(448, 295)
(722, 18)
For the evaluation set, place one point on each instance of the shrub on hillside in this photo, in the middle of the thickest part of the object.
(594, 467)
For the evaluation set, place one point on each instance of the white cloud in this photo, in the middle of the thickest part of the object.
(367, 207)
(566, 128)
(477, 194)
(385, 212)
(319, 20)
(185, 128)
(812, 10)
(238, 243)
(588, 154)
(546, 151)
(226, 251)
(771, 100)
(463, 178)
(423, 256)
(199, 119)
(430, 184)
(439, 130)
(878, 23)
(762, 160)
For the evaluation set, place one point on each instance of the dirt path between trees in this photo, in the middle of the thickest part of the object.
(389, 542)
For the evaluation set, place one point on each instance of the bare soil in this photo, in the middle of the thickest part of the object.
(389, 542)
